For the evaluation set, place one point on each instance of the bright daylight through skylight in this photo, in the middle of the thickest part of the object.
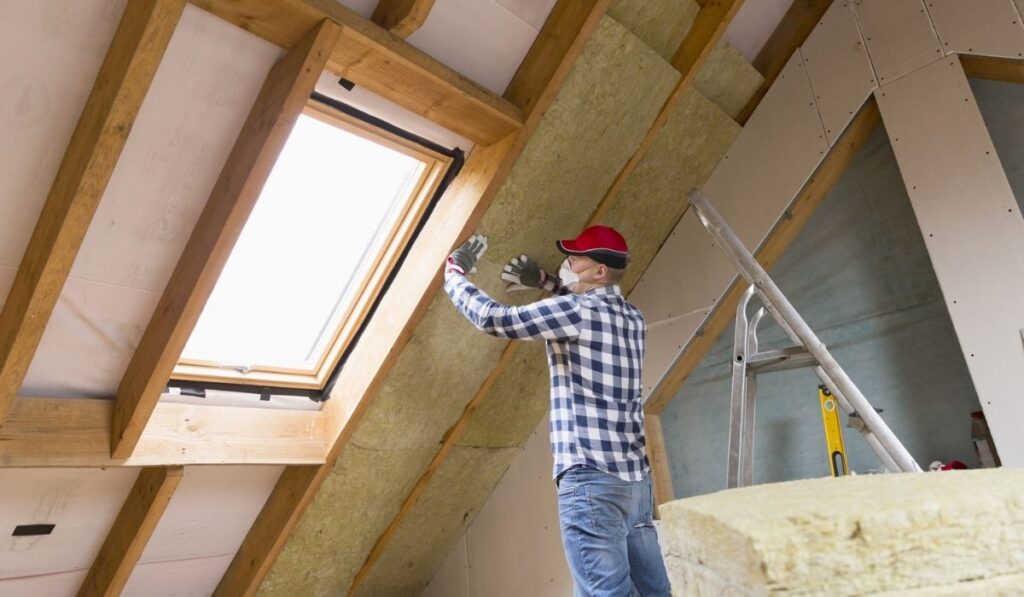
(330, 200)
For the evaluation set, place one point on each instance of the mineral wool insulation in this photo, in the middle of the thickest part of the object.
(604, 109)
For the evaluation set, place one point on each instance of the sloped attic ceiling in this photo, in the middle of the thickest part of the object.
(191, 116)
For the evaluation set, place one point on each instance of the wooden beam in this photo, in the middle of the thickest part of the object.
(416, 284)
(75, 432)
(791, 33)
(132, 529)
(402, 17)
(997, 69)
(657, 453)
(107, 118)
(839, 158)
(280, 101)
(381, 62)
(708, 27)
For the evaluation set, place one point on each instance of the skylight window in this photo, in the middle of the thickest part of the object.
(335, 213)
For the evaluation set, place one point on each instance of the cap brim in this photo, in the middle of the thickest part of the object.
(614, 259)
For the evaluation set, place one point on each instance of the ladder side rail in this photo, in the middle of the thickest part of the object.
(752, 271)
(749, 403)
(737, 397)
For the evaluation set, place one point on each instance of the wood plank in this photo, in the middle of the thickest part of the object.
(382, 62)
(810, 197)
(657, 454)
(454, 219)
(283, 97)
(794, 28)
(131, 531)
(75, 432)
(708, 28)
(402, 17)
(89, 160)
(996, 69)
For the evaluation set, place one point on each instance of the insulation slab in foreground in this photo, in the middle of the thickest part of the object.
(948, 533)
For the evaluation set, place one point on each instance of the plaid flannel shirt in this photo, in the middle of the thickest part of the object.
(595, 346)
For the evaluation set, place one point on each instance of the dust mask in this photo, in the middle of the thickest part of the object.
(566, 276)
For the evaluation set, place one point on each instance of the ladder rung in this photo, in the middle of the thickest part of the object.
(780, 359)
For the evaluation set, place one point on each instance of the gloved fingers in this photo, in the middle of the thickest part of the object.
(512, 270)
(508, 277)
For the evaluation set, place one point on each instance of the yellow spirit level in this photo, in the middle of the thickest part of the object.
(833, 432)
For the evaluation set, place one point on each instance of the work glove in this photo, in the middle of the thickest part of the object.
(523, 273)
(463, 260)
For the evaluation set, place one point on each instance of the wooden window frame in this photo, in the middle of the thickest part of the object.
(373, 276)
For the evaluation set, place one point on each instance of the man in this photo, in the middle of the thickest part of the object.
(595, 345)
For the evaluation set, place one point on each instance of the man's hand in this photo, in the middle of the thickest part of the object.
(463, 260)
(523, 273)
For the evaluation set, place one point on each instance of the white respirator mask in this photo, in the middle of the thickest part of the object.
(566, 276)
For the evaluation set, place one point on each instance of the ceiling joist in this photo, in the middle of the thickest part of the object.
(279, 104)
(454, 219)
(131, 531)
(402, 17)
(381, 62)
(75, 432)
(123, 80)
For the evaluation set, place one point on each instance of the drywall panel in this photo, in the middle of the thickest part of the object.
(604, 109)
(973, 231)
(189, 577)
(899, 36)
(186, 127)
(772, 158)
(82, 503)
(198, 101)
(728, 80)
(661, 24)
(89, 340)
(51, 54)
(839, 68)
(199, 522)
(481, 562)
(986, 27)
(57, 584)
(753, 24)
(480, 39)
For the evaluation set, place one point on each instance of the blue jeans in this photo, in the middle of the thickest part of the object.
(608, 535)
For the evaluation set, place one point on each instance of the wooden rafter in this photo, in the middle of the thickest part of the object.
(381, 62)
(996, 69)
(130, 532)
(791, 33)
(52, 432)
(454, 218)
(402, 17)
(127, 71)
(806, 202)
(277, 107)
(708, 28)
(657, 453)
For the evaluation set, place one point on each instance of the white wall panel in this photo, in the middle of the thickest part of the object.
(774, 155)
(82, 503)
(972, 229)
(985, 27)
(194, 577)
(839, 69)
(898, 34)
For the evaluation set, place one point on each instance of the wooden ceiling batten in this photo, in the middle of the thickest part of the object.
(92, 153)
(453, 220)
(280, 102)
(402, 17)
(381, 62)
(131, 531)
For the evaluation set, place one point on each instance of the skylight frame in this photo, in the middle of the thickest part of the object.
(372, 276)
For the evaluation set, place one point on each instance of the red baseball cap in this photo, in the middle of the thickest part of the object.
(603, 244)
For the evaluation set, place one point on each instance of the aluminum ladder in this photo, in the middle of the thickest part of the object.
(807, 351)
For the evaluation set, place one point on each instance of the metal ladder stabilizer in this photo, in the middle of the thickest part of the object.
(807, 351)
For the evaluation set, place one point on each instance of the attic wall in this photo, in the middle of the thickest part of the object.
(860, 274)
(605, 107)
